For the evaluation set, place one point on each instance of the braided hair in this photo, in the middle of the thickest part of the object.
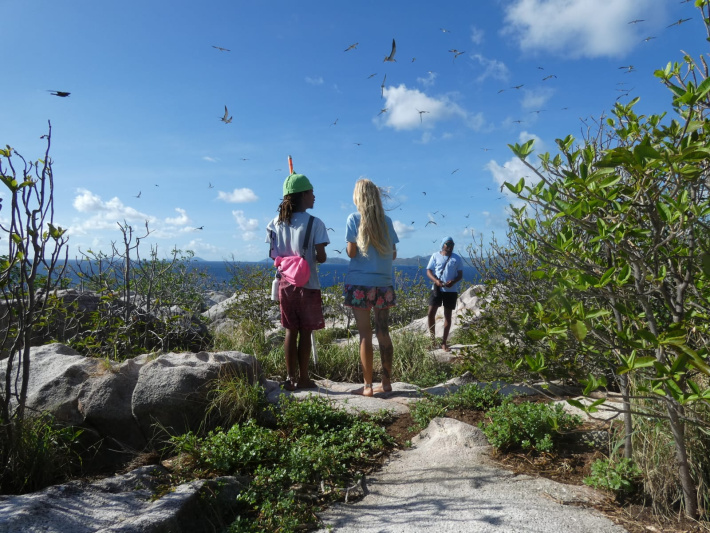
(289, 204)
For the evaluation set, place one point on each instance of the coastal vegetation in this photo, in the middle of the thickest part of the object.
(603, 281)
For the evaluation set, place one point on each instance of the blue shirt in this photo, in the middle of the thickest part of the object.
(373, 270)
(446, 272)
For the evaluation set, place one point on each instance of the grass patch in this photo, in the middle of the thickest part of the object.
(234, 399)
(37, 454)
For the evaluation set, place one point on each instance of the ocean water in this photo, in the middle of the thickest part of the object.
(331, 274)
(220, 272)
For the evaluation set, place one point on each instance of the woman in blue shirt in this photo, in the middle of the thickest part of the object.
(371, 241)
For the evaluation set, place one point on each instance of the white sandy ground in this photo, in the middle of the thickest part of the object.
(446, 482)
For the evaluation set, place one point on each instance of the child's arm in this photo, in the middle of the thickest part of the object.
(320, 252)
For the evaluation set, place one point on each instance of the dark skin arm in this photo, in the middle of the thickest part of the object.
(320, 252)
(430, 274)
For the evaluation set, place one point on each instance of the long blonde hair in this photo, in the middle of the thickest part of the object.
(373, 228)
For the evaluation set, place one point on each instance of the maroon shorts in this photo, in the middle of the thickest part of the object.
(301, 308)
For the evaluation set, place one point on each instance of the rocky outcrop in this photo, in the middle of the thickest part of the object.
(124, 407)
(125, 504)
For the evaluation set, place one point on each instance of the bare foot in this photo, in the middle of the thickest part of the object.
(308, 384)
(382, 388)
(445, 348)
(366, 390)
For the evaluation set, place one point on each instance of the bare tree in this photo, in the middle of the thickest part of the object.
(29, 270)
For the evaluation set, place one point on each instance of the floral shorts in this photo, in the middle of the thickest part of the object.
(363, 297)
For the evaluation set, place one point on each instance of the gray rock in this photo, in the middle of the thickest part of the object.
(125, 503)
(123, 406)
(170, 395)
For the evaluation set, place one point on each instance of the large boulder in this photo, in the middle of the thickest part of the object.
(124, 407)
(171, 392)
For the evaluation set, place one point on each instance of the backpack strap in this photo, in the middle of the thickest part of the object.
(307, 237)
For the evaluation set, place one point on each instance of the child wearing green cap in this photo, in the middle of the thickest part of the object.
(301, 307)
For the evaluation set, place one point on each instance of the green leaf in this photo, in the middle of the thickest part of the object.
(536, 334)
(606, 277)
(648, 337)
(516, 189)
(536, 363)
(579, 330)
(664, 211)
(624, 275)
(705, 263)
(697, 360)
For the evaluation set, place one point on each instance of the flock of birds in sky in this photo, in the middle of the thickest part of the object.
(226, 118)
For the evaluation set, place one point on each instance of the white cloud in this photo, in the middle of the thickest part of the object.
(429, 80)
(238, 196)
(104, 215)
(512, 170)
(426, 137)
(410, 108)
(180, 220)
(475, 121)
(492, 68)
(525, 136)
(209, 159)
(200, 247)
(403, 230)
(248, 226)
(317, 80)
(476, 35)
(536, 98)
(578, 28)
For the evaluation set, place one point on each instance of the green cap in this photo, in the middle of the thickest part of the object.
(296, 183)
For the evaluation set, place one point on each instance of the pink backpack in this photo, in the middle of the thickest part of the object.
(293, 268)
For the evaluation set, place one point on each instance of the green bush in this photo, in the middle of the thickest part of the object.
(470, 396)
(528, 426)
(621, 476)
(39, 454)
(314, 452)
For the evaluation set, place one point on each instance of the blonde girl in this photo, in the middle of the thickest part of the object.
(371, 246)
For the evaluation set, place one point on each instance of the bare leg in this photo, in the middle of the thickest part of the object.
(291, 354)
(431, 321)
(362, 318)
(386, 348)
(304, 355)
(447, 328)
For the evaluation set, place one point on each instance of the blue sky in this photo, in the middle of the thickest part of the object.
(140, 137)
